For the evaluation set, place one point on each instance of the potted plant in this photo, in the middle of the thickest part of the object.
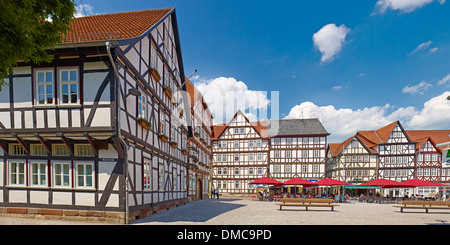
(164, 137)
(184, 152)
(168, 92)
(181, 112)
(155, 74)
(197, 134)
(144, 123)
(173, 144)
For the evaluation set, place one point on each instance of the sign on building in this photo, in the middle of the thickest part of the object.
(446, 157)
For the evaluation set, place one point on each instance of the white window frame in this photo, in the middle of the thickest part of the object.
(37, 176)
(44, 83)
(142, 106)
(16, 172)
(61, 174)
(84, 175)
(69, 83)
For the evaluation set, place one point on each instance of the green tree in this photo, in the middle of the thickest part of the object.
(29, 28)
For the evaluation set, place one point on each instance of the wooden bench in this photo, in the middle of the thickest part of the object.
(304, 202)
(423, 205)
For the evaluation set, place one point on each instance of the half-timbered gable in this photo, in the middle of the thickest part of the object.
(98, 127)
(298, 149)
(352, 161)
(240, 154)
(429, 164)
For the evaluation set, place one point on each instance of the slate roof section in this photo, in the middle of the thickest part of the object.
(310, 126)
(113, 26)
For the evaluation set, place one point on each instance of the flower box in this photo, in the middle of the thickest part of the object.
(168, 92)
(184, 152)
(173, 144)
(164, 137)
(155, 74)
(144, 123)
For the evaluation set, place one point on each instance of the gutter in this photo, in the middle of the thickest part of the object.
(121, 141)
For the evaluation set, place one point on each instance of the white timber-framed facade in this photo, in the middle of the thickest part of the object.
(74, 140)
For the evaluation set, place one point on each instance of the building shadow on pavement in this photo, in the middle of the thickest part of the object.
(196, 211)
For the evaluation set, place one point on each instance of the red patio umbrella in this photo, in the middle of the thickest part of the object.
(298, 181)
(265, 181)
(383, 183)
(330, 182)
(418, 182)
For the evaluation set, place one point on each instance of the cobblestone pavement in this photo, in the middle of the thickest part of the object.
(243, 211)
(247, 212)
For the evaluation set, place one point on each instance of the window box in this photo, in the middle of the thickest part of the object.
(155, 74)
(164, 137)
(168, 92)
(173, 144)
(144, 123)
(184, 152)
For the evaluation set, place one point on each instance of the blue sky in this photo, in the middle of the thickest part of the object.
(372, 62)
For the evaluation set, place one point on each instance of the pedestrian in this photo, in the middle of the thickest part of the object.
(213, 193)
(217, 193)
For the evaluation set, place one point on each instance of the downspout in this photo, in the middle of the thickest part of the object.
(121, 141)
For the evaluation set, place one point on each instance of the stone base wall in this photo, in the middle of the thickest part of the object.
(145, 212)
(64, 214)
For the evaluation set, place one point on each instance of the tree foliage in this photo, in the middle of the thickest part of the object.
(29, 28)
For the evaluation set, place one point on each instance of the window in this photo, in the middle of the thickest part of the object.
(315, 168)
(236, 184)
(61, 174)
(60, 150)
(251, 156)
(250, 143)
(16, 172)
(277, 141)
(289, 141)
(44, 81)
(277, 153)
(259, 157)
(242, 130)
(250, 171)
(37, 150)
(85, 173)
(236, 130)
(153, 56)
(219, 171)
(288, 154)
(16, 150)
(142, 106)
(84, 150)
(258, 143)
(316, 153)
(236, 157)
(161, 176)
(38, 174)
(260, 171)
(222, 144)
(305, 153)
(236, 144)
(276, 168)
(287, 168)
(304, 168)
(236, 171)
(68, 85)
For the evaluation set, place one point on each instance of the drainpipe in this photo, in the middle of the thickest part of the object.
(121, 141)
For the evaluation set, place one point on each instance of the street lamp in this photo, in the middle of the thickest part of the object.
(133, 91)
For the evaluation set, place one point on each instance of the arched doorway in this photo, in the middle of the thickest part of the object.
(199, 189)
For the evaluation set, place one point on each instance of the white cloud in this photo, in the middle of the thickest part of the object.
(344, 122)
(444, 80)
(83, 10)
(434, 115)
(329, 40)
(432, 50)
(405, 6)
(418, 88)
(422, 46)
(336, 88)
(226, 95)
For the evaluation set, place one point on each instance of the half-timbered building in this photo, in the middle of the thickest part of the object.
(390, 153)
(240, 154)
(352, 161)
(96, 132)
(244, 151)
(297, 149)
(199, 146)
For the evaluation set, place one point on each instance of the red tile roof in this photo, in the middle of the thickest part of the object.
(113, 26)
